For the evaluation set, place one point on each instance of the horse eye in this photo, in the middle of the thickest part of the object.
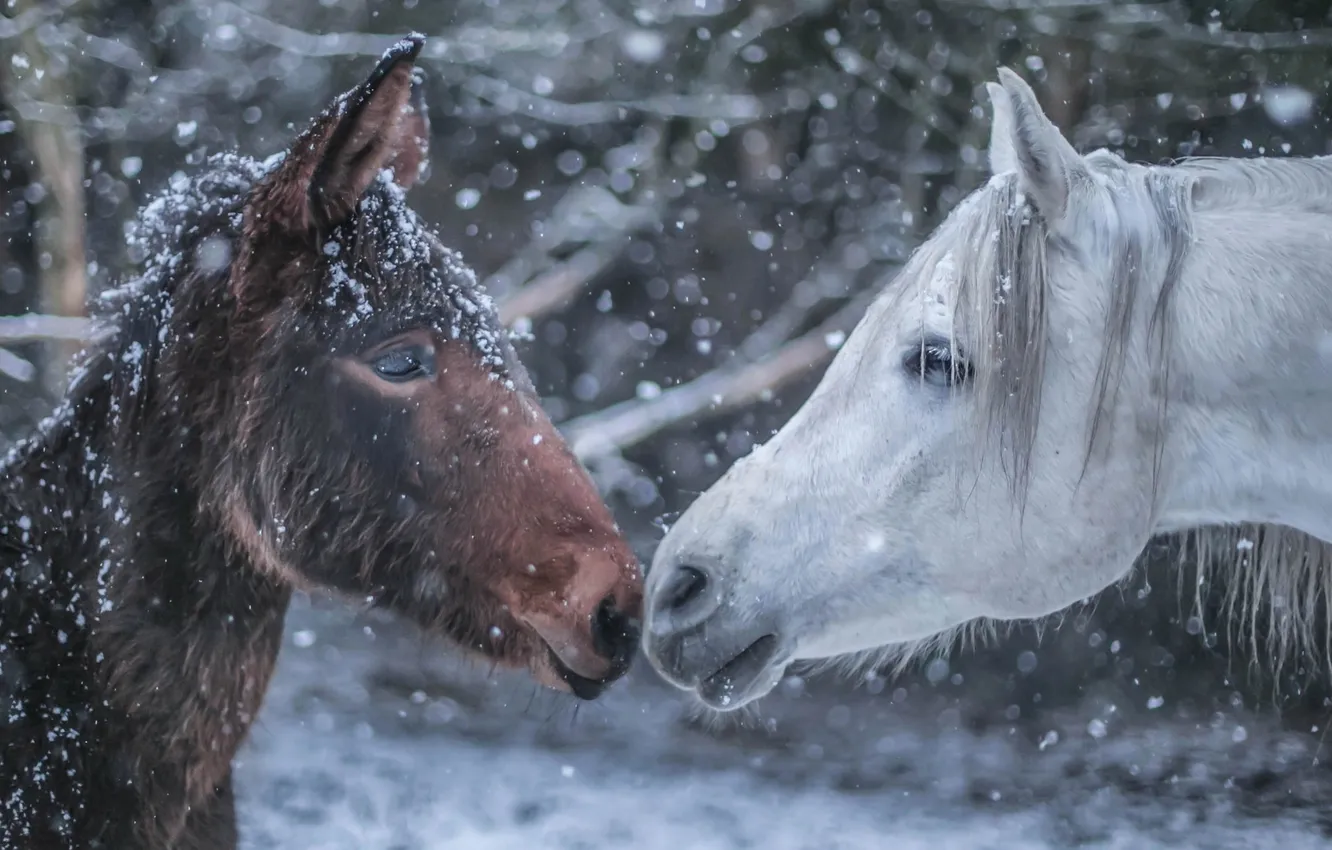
(938, 364)
(402, 364)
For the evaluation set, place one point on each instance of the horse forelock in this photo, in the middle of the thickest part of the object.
(991, 254)
(387, 268)
(1000, 250)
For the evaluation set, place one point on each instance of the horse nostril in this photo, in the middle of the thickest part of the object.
(685, 586)
(684, 600)
(614, 633)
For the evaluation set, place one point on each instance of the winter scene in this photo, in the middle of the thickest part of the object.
(665, 424)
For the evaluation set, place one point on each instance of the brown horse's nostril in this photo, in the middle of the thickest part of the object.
(614, 633)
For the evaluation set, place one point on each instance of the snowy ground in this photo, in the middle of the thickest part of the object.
(373, 739)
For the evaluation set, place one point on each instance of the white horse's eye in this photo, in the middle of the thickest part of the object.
(937, 363)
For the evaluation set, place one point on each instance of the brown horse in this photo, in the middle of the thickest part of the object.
(301, 388)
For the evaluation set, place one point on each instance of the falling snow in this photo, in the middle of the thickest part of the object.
(764, 165)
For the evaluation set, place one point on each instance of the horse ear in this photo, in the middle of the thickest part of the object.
(382, 123)
(1003, 158)
(411, 158)
(1047, 165)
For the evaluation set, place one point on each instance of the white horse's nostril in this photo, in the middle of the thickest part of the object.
(684, 587)
(685, 599)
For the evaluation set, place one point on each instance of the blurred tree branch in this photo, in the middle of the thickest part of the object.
(467, 44)
(620, 426)
(1167, 20)
(34, 327)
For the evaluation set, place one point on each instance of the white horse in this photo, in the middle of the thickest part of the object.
(1087, 353)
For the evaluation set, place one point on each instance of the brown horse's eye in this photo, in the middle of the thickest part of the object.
(404, 364)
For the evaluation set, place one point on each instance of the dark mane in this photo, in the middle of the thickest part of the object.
(132, 321)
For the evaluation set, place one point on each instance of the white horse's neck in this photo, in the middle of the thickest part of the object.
(1249, 412)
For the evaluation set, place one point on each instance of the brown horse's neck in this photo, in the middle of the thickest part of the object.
(177, 633)
(122, 514)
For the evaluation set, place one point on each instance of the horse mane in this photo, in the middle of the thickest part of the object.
(131, 321)
(1302, 184)
(1275, 573)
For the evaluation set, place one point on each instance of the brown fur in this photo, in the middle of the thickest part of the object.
(247, 427)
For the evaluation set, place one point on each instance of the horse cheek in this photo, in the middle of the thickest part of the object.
(378, 431)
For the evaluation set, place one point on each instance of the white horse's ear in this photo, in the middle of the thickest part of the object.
(1047, 165)
(1003, 158)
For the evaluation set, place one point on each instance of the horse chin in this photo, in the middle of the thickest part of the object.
(546, 669)
(749, 676)
(555, 674)
(582, 658)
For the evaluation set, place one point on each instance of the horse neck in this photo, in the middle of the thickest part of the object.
(51, 484)
(1248, 405)
(177, 637)
(121, 515)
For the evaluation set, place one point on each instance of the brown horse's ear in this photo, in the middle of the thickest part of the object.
(411, 160)
(382, 123)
